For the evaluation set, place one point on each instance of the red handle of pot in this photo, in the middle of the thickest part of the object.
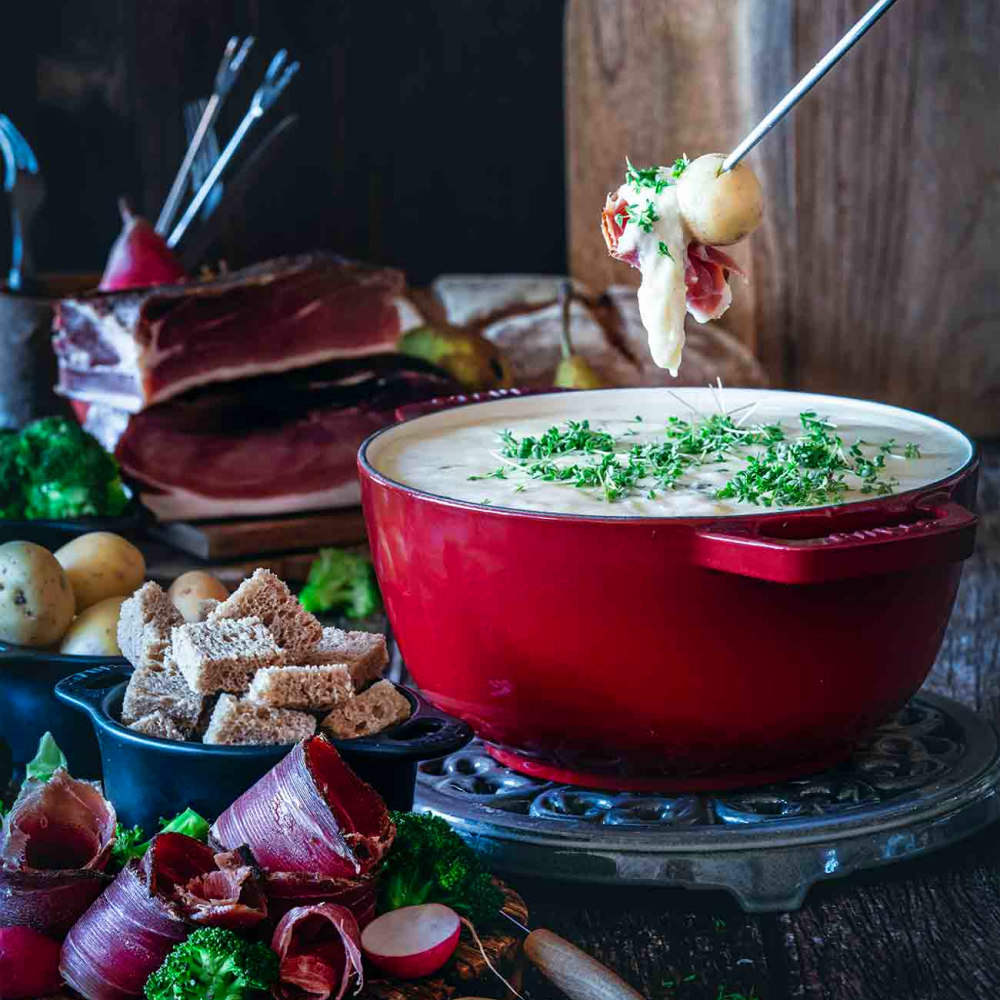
(411, 410)
(932, 531)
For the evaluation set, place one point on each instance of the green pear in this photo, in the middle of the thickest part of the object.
(468, 357)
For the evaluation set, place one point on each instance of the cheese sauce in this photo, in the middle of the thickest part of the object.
(438, 454)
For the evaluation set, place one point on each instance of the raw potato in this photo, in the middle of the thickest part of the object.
(719, 209)
(36, 597)
(95, 632)
(190, 589)
(101, 565)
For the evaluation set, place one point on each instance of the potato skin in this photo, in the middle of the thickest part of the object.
(36, 597)
(95, 632)
(719, 209)
(190, 589)
(101, 565)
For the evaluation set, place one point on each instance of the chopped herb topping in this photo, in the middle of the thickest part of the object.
(680, 165)
(645, 177)
(643, 218)
(664, 249)
(772, 468)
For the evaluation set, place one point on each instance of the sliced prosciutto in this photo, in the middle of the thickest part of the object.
(319, 948)
(279, 445)
(131, 349)
(153, 905)
(54, 846)
(316, 829)
(643, 226)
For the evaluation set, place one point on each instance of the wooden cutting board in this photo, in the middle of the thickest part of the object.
(236, 538)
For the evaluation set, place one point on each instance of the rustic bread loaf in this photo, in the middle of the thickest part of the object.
(266, 597)
(312, 688)
(160, 724)
(378, 708)
(223, 655)
(162, 688)
(364, 653)
(144, 625)
(236, 721)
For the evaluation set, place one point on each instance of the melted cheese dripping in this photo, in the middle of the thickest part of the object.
(662, 294)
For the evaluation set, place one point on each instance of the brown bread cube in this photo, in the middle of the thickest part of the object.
(238, 722)
(144, 625)
(223, 655)
(312, 689)
(378, 708)
(365, 654)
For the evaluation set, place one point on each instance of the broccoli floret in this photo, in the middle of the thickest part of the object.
(67, 473)
(430, 863)
(214, 964)
(11, 480)
(131, 842)
(342, 581)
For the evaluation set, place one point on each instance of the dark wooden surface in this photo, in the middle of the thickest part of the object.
(922, 930)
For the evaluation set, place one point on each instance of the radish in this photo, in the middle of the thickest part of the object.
(29, 964)
(412, 941)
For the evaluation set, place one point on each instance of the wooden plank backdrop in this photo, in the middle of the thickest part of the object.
(876, 271)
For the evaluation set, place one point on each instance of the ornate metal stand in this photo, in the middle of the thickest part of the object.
(926, 779)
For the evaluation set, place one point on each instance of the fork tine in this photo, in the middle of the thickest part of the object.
(238, 59)
(274, 68)
(23, 154)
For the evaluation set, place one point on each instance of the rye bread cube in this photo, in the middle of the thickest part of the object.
(162, 688)
(238, 722)
(144, 625)
(159, 724)
(364, 653)
(378, 708)
(267, 598)
(223, 655)
(308, 689)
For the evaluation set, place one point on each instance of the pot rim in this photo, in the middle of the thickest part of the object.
(907, 497)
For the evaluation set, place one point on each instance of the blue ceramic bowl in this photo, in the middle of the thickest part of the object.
(147, 778)
(29, 707)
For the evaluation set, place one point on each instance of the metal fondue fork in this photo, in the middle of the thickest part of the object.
(275, 81)
(805, 85)
(229, 69)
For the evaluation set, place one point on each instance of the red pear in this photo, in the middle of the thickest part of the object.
(139, 257)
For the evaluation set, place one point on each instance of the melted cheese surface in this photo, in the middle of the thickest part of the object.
(438, 454)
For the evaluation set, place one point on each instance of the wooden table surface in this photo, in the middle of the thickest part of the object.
(921, 930)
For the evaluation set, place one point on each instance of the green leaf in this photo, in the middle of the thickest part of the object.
(46, 761)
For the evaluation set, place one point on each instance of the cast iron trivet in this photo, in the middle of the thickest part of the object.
(926, 779)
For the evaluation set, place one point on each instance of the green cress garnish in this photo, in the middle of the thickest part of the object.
(664, 249)
(812, 467)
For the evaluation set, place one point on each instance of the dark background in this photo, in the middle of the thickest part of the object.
(431, 133)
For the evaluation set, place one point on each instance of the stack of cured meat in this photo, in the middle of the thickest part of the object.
(248, 394)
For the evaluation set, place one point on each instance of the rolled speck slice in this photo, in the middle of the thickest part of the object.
(310, 814)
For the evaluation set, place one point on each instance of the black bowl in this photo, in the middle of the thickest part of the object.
(147, 778)
(54, 534)
(29, 707)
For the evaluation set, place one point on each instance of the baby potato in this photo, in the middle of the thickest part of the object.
(36, 597)
(190, 589)
(719, 209)
(95, 632)
(101, 565)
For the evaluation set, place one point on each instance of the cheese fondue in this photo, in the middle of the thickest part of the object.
(661, 453)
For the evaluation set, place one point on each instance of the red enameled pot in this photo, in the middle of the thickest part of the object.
(675, 653)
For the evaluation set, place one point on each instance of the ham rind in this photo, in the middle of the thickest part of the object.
(214, 454)
(309, 814)
(54, 846)
(152, 905)
(132, 349)
(319, 948)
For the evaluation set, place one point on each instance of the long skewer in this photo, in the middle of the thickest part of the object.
(229, 69)
(805, 85)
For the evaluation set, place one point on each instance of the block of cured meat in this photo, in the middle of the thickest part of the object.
(277, 445)
(131, 349)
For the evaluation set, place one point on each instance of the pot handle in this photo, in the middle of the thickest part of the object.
(411, 410)
(931, 531)
(86, 690)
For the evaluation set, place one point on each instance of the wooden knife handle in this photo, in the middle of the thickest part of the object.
(578, 975)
